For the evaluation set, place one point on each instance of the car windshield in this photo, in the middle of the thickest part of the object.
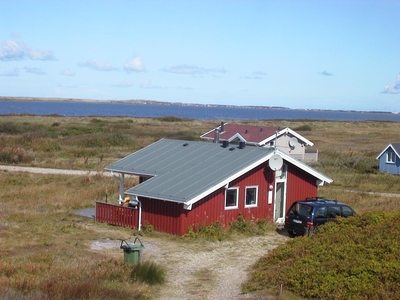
(301, 209)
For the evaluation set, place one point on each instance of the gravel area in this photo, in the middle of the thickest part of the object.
(51, 171)
(209, 270)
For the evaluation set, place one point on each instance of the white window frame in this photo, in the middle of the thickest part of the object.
(390, 157)
(256, 196)
(237, 198)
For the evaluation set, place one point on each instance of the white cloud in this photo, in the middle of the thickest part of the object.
(14, 50)
(67, 72)
(192, 69)
(37, 71)
(13, 72)
(95, 65)
(135, 64)
(393, 88)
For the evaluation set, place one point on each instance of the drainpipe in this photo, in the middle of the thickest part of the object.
(135, 201)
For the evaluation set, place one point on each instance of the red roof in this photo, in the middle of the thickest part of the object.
(251, 133)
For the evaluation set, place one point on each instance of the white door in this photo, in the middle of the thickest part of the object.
(280, 195)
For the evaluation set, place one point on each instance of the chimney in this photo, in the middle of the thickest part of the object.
(242, 144)
(222, 129)
(225, 144)
(216, 135)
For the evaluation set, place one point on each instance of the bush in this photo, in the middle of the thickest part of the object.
(353, 258)
(148, 272)
(16, 155)
(303, 128)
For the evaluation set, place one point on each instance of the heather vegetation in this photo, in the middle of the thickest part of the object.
(46, 250)
(353, 258)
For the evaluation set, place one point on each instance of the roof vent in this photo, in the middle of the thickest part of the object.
(225, 144)
(261, 129)
(185, 144)
(231, 149)
(246, 131)
(242, 144)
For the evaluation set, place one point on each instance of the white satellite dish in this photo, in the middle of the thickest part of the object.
(275, 162)
(293, 142)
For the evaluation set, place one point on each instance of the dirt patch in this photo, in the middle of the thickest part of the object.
(208, 270)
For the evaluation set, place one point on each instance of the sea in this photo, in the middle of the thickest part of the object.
(225, 113)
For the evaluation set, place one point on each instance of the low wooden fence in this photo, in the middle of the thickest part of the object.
(117, 215)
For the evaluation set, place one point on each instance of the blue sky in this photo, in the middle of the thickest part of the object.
(296, 54)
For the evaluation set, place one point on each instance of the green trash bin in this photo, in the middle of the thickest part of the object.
(132, 252)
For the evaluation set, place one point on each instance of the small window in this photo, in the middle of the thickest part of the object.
(333, 211)
(320, 212)
(251, 196)
(390, 157)
(347, 211)
(231, 198)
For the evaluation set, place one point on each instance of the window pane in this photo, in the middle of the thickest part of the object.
(347, 211)
(251, 196)
(333, 211)
(231, 198)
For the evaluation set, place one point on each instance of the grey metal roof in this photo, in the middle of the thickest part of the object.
(186, 171)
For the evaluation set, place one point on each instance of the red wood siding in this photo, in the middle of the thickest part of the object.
(162, 215)
(116, 215)
(173, 218)
(300, 185)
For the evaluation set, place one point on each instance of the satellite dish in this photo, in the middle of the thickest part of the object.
(275, 162)
(293, 142)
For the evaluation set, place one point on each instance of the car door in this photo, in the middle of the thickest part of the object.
(320, 215)
(333, 212)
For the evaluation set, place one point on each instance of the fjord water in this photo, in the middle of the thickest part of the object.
(81, 109)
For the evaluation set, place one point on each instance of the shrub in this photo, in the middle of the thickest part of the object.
(303, 128)
(353, 258)
(16, 155)
(148, 272)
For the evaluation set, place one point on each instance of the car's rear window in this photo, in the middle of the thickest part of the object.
(301, 209)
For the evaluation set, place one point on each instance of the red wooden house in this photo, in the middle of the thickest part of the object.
(186, 183)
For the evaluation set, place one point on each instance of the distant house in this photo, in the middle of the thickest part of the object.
(389, 159)
(285, 139)
(185, 184)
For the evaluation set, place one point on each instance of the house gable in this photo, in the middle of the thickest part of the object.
(389, 159)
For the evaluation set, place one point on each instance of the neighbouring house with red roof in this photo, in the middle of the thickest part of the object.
(186, 184)
(285, 139)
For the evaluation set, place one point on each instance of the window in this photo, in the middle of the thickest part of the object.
(390, 157)
(347, 211)
(333, 211)
(231, 198)
(251, 196)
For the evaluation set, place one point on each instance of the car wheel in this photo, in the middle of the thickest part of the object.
(292, 233)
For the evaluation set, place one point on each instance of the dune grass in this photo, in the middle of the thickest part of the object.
(46, 253)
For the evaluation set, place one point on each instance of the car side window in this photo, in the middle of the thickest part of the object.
(347, 211)
(320, 212)
(333, 211)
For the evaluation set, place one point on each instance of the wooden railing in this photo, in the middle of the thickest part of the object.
(116, 215)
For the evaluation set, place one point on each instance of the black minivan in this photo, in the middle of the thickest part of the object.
(304, 217)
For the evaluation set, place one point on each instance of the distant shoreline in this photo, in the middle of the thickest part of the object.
(153, 102)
